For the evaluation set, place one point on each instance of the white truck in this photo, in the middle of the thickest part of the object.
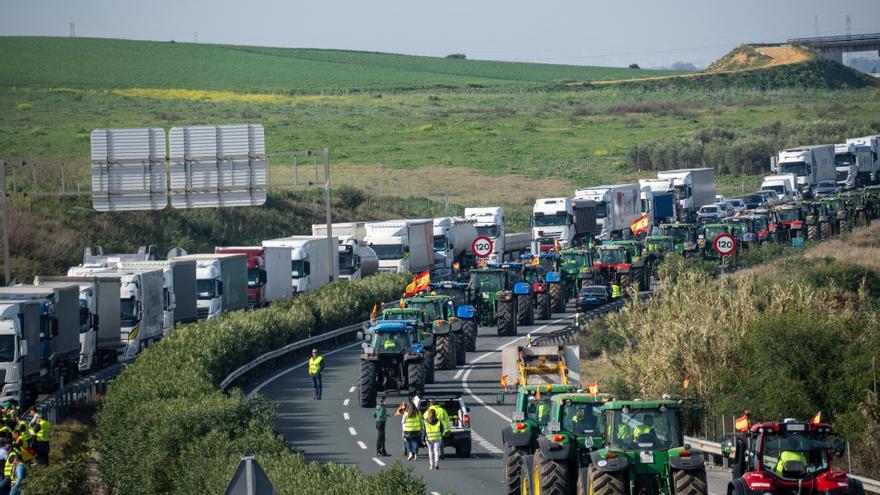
(659, 200)
(617, 207)
(178, 289)
(403, 246)
(267, 275)
(694, 187)
(97, 257)
(356, 259)
(564, 222)
(20, 351)
(785, 186)
(845, 166)
(99, 313)
(221, 283)
(866, 151)
(309, 267)
(453, 237)
(810, 164)
(489, 222)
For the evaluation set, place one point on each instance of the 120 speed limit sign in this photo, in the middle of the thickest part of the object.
(724, 244)
(482, 247)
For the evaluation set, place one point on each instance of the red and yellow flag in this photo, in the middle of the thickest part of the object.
(401, 302)
(687, 381)
(640, 224)
(420, 282)
(593, 388)
(538, 394)
(504, 381)
(375, 312)
(817, 418)
(742, 423)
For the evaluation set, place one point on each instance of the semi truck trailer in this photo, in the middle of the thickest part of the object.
(617, 207)
(356, 259)
(267, 272)
(694, 188)
(310, 268)
(20, 351)
(178, 289)
(403, 246)
(221, 283)
(562, 222)
(810, 164)
(453, 237)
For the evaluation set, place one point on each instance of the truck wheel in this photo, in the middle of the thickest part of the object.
(460, 348)
(557, 303)
(812, 233)
(367, 384)
(551, 476)
(415, 374)
(525, 311)
(607, 483)
(445, 352)
(692, 482)
(505, 319)
(825, 230)
(429, 367)
(544, 306)
(470, 335)
(513, 458)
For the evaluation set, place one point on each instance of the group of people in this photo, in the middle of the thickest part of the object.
(23, 443)
(430, 426)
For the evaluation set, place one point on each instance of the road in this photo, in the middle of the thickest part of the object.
(337, 429)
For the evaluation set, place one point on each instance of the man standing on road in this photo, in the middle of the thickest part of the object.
(316, 367)
(381, 416)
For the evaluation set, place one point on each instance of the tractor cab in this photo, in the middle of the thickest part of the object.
(393, 338)
(392, 360)
(659, 244)
(575, 266)
(456, 290)
(611, 255)
(415, 317)
(634, 248)
(707, 237)
(788, 221)
(684, 235)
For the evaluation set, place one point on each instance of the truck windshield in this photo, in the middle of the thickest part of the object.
(388, 251)
(800, 169)
(346, 263)
(128, 312)
(684, 191)
(254, 277)
(581, 419)
(551, 220)
(84, 316)
(439, 243)
(645, 429)
(206, 288)
(488, 230)
(844, 159)
(299, 268)
(810, 450)
(601, 209)
(7, 348)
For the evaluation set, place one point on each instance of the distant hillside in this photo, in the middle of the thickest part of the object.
(110, 63)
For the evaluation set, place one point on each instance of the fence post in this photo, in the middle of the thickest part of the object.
(34, 175)
(63, 188)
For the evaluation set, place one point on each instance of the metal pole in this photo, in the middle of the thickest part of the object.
(62, 177)
(6, 268)
(331, 249)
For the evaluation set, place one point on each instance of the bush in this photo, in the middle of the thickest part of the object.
(166, 428)
(67, 478)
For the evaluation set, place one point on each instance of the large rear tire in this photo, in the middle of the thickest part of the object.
(844, 227)
(825, 230)
(551, 476)
(367, 384)
(607, 483)
(544, 312)
(429, 367)
(513, 470)
(505, 319)
(470, 335)
(460, 347)
(692, 482)
(415, 374)
(557, 299)
(444, 357)
(525, 310)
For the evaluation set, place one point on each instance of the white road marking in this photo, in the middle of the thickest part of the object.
(288, 370)
(377, 461)
(351, 390)
(458, 374)
(345, 416)
(485, 443)
(435, 493)
(345, 402)
(362, 445)
(352, 431)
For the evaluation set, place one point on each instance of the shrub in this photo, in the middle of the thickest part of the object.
(66, 478)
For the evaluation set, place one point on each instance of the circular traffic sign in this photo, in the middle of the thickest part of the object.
(482, 247)
(724, 244)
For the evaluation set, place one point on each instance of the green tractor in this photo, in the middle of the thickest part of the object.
(614, 265)
(535, 276)
(565, 451)
(492, 294)
(575, 267)
(449, 343)
(706, 242)
(684, 236)
(656, 248)
(872, 201)
(818, 220)
(644, 453)
(393, 361)
(421, 324)
(742, 229)
(762, 219)
(548, 262)
(838, 214)
(463, 310)
(521, 436)
(856, 205)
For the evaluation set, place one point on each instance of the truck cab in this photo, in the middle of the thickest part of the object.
(20, 351)
(489, 222)
(845, 166)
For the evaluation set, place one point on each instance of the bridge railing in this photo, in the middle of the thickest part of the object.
(837, 38)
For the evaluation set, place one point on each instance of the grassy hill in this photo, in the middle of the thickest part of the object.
(110, 63)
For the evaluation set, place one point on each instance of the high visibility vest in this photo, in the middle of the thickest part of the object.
(642, 430)
(390, 344)
(615, 291)
(442, 415)
(542, 411)
(412, 423)
(788, 456)
(622, 432)
(434, 432)
(45, 432)
(315, 365)
(13, 477)
(7, 469)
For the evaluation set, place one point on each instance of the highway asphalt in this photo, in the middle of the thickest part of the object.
(337, 429)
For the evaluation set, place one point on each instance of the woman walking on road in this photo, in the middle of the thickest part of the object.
(412, 431)
(434, 438)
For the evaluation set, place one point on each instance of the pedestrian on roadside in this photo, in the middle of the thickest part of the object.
(381, 416)
(434, 431)
(6, 483)
(412, 431)
(316, 367)
(18, 474)
(42, 433)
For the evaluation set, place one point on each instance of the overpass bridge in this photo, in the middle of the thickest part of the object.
(833, 47)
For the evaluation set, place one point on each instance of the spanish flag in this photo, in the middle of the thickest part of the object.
(593, 388)
(375, 312)
(817, 418)
(420, 282)
(640, 224)
(742, 423)
(504, 382)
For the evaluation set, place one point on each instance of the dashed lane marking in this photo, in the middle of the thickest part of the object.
(362, 445)
(352, 431)
(377, 461)
(351, 390)
(345, 402)
(345, 416)
(485, 443)
(458, 374)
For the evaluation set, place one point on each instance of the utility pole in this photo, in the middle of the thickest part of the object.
(816, 25)
(331, 248)
(5, 200)
(72, 30)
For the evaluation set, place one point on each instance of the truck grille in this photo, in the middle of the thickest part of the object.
(552, 235)
(841, 176)
(252, 300)
(202, 313)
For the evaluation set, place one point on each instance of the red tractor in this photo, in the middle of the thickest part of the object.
(788, 458)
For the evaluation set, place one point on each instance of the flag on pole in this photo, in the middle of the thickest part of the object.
(817, 418)
(640, 224)
(375, 312)
(504, 382)
(537, 394)
(420, 282)
(556, 245)
(742, 422)
(687, 381)
(401, 302)
(593, 388)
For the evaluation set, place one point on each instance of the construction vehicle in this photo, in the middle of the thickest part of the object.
(776, 458)
(788, 222)
(392, 361)
(563, 455)
(493, 293)
(641, 451)
(613, 265)
(448, 331)
(520, 437)
(418, 320)
(575, 266)
(817, 220)
(464, 311)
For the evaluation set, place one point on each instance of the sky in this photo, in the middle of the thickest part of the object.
(651, 33)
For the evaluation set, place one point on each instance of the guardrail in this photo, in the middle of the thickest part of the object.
(58, 404)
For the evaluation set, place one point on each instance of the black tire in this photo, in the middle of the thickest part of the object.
(844, 227)
(525, 310)
(552, 475)
(367, 384)
(557, 299)
(625, 281)
(415, 374)
(691, 482)
(513, 475)
(444, 356)
(812, 232)
(825, 231)
(429, 367)
(460, 348)
(544, 312)
(505, 319)
(644, 278)
(857, 487)
(470, 335)
(607, 483)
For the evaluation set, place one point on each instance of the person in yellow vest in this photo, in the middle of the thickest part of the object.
(434, 430)
(615, 291)
(787, 456)
(17, 477)
(6, 484)
(412, 431)
(646, 428)
(42, 432)
(316, 367)
(443, 416)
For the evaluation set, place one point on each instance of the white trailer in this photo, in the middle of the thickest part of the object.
(268, 279)
(356, 259)
(617, 207)
(309, 267)
(489, 222)
(867, 154)
(694, 187)
(20, 339)
(810, 164)
(178, 289)
(221, 283)
(453, 237)
(402, 245)
(785, 186)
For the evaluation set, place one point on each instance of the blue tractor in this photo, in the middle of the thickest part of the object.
(393, 361)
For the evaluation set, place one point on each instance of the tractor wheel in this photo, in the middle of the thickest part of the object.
(826, 230)
(844, 227)
(525, 311)
(557, 302)
(513, 470)
(544, 306)
(505, 319)
(429, 367)
(607, 483)
(692, 482)
(470, 335)
(460, 348)
(444, 357)
(812, 232)
(644, 278)
(415, 374)
(625, 281)
(857, 487)
(367, 384)
(551, 476)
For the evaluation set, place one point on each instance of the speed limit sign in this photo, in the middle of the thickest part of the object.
(724, 244)
(482, 247)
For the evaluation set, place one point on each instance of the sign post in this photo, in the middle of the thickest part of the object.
(482, 247)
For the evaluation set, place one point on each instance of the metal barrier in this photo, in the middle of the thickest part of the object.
(57, 405)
